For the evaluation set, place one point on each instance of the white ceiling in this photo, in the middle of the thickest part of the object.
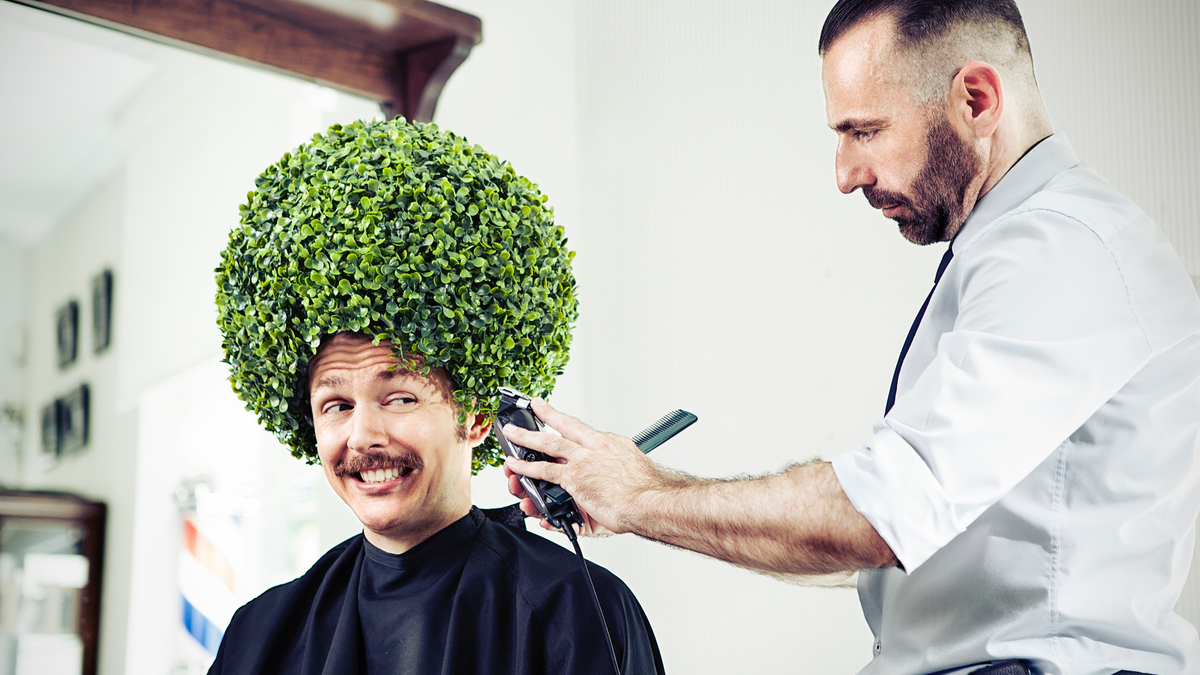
(74, 95)
(66, 87)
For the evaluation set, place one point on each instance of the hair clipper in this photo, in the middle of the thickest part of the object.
(554, 503)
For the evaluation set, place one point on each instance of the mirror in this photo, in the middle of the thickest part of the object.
(50, 560)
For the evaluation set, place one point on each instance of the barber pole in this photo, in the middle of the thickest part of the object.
(207, 585)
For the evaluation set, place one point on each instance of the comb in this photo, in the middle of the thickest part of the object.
(663, 430)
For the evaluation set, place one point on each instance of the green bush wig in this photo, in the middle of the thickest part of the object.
(406, 233)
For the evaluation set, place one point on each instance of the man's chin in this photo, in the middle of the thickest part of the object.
(918, 233)
(394, 520)
(401, 528)
(911, 233)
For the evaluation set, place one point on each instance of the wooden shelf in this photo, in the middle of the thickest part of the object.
(398, 52)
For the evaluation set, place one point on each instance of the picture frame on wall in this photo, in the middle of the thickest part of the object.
(68, 333)
(66, 424)
(102, 311)
(50, 429)
(73, 421)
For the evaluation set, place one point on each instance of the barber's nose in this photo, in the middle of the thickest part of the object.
(852, 171)
(366, 429)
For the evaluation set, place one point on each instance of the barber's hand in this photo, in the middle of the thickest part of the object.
(605, 473)
(589, 526)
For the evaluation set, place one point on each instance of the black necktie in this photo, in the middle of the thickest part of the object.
(916, 322)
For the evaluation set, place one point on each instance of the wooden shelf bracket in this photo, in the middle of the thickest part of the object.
(401, 57)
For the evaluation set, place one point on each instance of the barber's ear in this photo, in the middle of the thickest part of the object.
(977, 99)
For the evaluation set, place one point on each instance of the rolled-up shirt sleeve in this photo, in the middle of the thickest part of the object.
(1030, 331)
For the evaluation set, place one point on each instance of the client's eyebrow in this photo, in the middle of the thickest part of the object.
(329, 382)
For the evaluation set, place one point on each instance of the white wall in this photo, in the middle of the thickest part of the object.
(1122, 80)
(12, 346)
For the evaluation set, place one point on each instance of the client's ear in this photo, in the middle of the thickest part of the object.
(479, 425)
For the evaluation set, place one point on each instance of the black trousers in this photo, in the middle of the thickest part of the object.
(1018, 667)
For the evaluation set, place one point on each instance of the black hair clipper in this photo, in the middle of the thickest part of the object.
(554, 503)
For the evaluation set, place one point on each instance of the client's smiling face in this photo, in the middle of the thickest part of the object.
(390, 442)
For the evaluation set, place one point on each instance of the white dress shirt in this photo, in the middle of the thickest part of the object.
(1039, 475)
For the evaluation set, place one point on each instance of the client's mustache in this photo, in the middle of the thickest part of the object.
(375, 461)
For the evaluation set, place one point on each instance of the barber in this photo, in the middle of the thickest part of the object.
(1028, 502)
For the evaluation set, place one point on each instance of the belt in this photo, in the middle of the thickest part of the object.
(1019, 667)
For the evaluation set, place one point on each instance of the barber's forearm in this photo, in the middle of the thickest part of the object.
(796, 522)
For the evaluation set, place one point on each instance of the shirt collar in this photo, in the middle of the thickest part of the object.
(1038, 166)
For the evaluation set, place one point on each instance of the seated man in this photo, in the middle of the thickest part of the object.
(386, 280)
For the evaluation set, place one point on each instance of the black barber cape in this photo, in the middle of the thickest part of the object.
(477, 597)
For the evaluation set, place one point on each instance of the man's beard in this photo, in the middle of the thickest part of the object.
(939, 191)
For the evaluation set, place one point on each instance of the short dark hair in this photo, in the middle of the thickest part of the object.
(918, 21)
(932, 39)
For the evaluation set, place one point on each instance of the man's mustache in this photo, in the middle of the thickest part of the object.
(881, 198)
(378, 460)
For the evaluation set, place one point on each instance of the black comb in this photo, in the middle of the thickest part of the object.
(663, 430)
